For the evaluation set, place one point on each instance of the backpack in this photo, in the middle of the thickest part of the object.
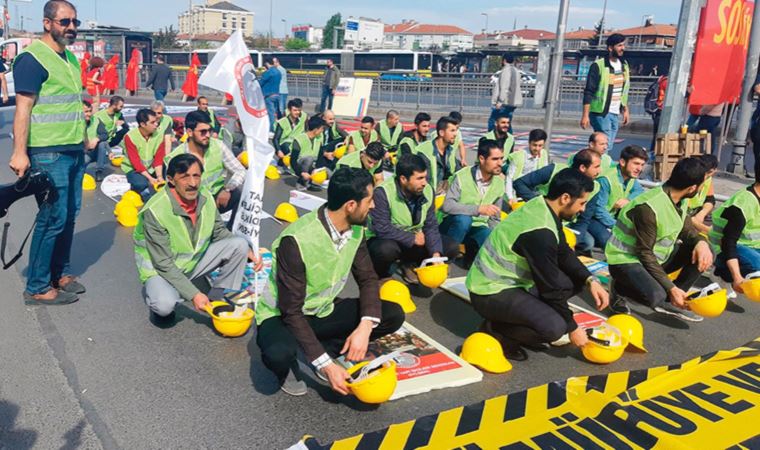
(653, 93)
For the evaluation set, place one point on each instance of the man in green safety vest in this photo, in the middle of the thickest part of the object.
(145, 149)
(312, 260)
(537, 182)
(599, 143)
(458, 142)
(49, 131)
(390, 130)
(109, 127)
(605, 97)
(306, 153)
(370, 159)
(525, 272)
(359, 139)
(287, 128)
(735, 235)
(472, 207)
(703, 203)
(616, 189)
(403, 227)
(223, 174)
(180, 237)
(203, 107)
(501, 134)
(416, 136)
(521, 162)
(334, 136)
(652, 238)
(440, 155)
(165, 123)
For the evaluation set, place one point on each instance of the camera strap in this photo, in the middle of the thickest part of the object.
(3, 243)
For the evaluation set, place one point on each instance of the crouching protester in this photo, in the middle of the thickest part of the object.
(300, 309)
(525, 272)
(180, 238)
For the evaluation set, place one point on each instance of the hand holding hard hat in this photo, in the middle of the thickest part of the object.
(433, 272)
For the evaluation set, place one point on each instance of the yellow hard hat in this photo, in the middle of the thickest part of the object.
(243, 158)
(88, 183)
(631, 329)
(319, 176)
(504, 215)
(673, 275)
(394, 157)
(128, 216)
(709, 302)
(117, 160)
(484, 351)
(287, 212)
(605, 345)
(751, 286)
(229, 326)
(397, 292)
(570, 237)
(286, 160)
(159, 186)
(340, 151)
(439, 199)
(272, 173)
(517, 205)
(433, 272)
(378, 386)
(121, 205)
(133, 198)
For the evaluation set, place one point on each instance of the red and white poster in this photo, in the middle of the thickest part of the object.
(721, 51)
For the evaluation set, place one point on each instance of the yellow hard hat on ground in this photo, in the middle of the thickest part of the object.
(272, 173)
(605, 344)
(226, 325)
(287, 212)
(88, 183)
(630, 328)
(117, 160)
(121, 205)
(243, 158)
(378, 386)
(397, 292)
(286, 160)
(319, 176)
(570, 237)
(340, 151)
(433, 272)
(709, 302)
(133, 198)
(128, 216)
(751, 286)
(484, 351)
(439, 199)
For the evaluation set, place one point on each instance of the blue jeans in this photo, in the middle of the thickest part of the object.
(159, 94)
(459, 228)
(99, 155)
(327, 99)
(749, 261)
(273, 107)
(140, 184)
(607, 124)
(496, 112)
(592, 234)
(283, 103)
(50, 250)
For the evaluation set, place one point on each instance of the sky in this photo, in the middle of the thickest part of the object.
(150, 15)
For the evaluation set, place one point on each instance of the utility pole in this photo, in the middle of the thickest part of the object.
(601, 24)
(555, 73)
(745, 103)
(270, 24)
(6, 25)
(335, 35)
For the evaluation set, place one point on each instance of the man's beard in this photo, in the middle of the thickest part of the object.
(62, 39)
(358, 220)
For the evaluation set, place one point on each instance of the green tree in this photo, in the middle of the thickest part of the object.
(257, 41)
(327, 34)
(166, 38)
(296, 44)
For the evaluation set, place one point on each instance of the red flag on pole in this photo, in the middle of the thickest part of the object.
(111, 75)
(190, 87)
(132, 69)
(84, 66)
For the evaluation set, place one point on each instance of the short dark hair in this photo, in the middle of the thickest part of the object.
(202, 97)
(115, 99)
(584, 157)
(368, 119)
(456, 115)
(51, 8)
(634, 151)
(409, 163)
(502, 115)
(268, 60)
(143, 115)
(421, 117)
(592, 137)
(686, 173)
(571, 182)
(615, 39)
(193, 118)
(346, 184)
(710, 161)
(159, 58)
(537, 135)
(485, 146)
(315, 122)
(508, 57)
(444, 123)
(295, 103)
(182, 163)
(375, 150)
(87, 103)
(391, 113)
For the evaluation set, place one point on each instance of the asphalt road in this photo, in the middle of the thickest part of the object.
(98, 374)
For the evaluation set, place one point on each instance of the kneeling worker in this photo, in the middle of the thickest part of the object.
(645, 247)
(370, 159)
(307, 152)
(473, 201)
(537, 182)
(359, 140)
(312, 261)
(145, 148)
(525, 273)
(169, 259)
(288, 128)
(521, 162)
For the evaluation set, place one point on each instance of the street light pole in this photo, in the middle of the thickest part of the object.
(555, 73)
(284, 28)
(601, 24)
(270, 24)
(485, 30)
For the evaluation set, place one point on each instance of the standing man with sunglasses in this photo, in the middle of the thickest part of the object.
(49, 129)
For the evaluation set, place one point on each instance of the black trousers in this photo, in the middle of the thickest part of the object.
(279, 347)
(754, 134)
(634, 282)
(385, 252)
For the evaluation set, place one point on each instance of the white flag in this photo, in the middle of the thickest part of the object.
(232, 71)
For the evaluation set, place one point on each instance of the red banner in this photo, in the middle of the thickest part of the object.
(721, 52)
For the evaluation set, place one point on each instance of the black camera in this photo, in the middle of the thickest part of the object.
(32, 183)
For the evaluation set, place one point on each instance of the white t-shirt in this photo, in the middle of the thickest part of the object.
(617, 80)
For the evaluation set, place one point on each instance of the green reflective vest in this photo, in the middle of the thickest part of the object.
(497, 266)
(516, 159)
(288, 130)
(620, 248)
(401, 216)
(332, 133)
(212, 116)
(57, 117)
(600, 97)
(213, 164)
(411, 142)
(458, 140)
(698, 200)
(608, 167)
(327, 269)
(166, 123)
(509, 143)
(145, 148)
(389, 140)
(354, 160)
(108, 122)
(543, 189)
(186, 253)
(358, 140)
(471, 195)
(618, 190)
(308, 147)
(747, 203)
(428, 149)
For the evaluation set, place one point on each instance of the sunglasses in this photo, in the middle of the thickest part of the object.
(66, 22)
(205, 132)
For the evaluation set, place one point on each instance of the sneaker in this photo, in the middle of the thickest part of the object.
(409, 275)
(291, 385)
(730, 292)
(53, 296)
(70, 284)
(510, 348)
(301, 185)
(668, 309)
(618, 303)
(314, 188)
(99, 176)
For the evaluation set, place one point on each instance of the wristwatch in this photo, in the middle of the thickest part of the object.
(591, 279)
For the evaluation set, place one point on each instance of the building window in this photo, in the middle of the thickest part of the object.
(224, 24)
(224, 16)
